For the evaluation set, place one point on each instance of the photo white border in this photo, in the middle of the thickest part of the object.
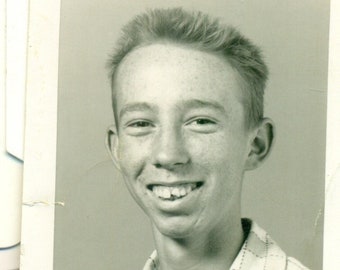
(331, 258)
(41, 136)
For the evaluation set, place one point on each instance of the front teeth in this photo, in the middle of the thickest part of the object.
(174, 192)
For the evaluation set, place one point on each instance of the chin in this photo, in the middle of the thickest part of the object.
(176, 228)
(175, 233)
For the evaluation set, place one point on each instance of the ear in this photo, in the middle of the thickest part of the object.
(261, 144)
(111, 143)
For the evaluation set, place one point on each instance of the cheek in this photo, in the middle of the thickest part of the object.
(132, 155)
(217, 149)
(222, 158)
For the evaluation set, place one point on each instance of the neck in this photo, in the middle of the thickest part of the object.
(216, 249)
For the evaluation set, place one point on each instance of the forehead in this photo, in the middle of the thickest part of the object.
(174, 71)
(175, 56)
(171, 54)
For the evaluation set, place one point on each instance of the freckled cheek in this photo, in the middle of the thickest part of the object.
(221, 160)
(208, 148)
(132, 155)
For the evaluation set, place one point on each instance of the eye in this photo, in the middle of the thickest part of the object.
(202, 125)
(140, 124)
(138, 127)
(203, 121)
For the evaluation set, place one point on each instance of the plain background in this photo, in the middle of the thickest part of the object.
(100, 226)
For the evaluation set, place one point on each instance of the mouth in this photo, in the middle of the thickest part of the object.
(173, 192)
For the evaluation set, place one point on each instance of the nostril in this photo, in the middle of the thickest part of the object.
(168, 165)
(178, 163)
(150, 187)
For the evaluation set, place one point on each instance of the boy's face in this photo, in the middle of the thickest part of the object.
(182, 142)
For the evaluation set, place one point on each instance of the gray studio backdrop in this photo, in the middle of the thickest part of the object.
(100, 226)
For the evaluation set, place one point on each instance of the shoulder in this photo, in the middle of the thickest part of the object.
(260, 252)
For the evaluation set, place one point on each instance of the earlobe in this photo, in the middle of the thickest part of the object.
(261, 144)
(112, 145)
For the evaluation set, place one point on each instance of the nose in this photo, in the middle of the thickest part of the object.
(170, 149)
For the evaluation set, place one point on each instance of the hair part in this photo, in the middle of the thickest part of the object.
(199, 31)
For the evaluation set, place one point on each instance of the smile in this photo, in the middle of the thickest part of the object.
(174, 192)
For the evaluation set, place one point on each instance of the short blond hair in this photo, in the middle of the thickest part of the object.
(199, 30)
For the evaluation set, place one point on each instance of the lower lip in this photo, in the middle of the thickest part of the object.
(180, 204)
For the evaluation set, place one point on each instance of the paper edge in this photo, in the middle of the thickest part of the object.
(41, 134)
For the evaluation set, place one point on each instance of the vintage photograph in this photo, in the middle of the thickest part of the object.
(191, 134)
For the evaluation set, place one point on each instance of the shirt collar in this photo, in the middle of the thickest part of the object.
(258, 251)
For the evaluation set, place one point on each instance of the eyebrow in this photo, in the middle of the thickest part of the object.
(135, 107)
(188, 104)
(199, 104)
